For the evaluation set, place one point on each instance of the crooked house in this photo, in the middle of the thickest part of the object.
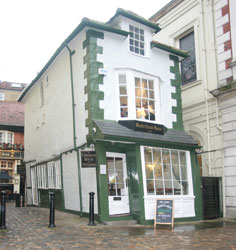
(104, 115)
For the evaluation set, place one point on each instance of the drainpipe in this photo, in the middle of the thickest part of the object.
(206, 89)
(71, 53)
(217, 105)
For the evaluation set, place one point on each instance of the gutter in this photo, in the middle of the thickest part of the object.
(71, 53)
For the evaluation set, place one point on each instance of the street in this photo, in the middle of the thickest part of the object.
(27, 228)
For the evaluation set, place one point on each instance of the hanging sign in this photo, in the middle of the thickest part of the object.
(88, 159)
(164, 213)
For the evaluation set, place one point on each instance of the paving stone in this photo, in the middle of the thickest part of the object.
(27, 228)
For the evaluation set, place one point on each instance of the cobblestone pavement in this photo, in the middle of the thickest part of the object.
(27, 228)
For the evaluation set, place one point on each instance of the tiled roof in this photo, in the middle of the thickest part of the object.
(11, 113)
(113, 128)
(12, 86)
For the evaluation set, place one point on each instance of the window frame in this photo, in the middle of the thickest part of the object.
(6, 137)
(130, 87)
(134, 32)
(189, 175)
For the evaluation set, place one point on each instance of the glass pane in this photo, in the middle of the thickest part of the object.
(168, 187)
(111, 176)
(112, 189)
(184, 173)
(120, 189)
(122, 79)
(150, 187)
(145, 93)
(177, 188)
(119, 164)
(142, 45)
(146, 116)
(123, 101)
(185, 187)
(151, 94)
(145, 103)
(142, 52)
(137, 82)
(182, 158)
(158, 171)
(138, 102)
(144, 83)
(174, 157)
(131, 48)
(123, 90)
(166, 156)
(141, 31)
(120, 177)
(152, 116)
(176, 173)
(148, 154)
(150, 83)
(136, 30)
(131, 28)
(156, 155)
(167, 171)
(137, 36)
(136, 50)
(138, 92)
(149, 171)
(142, 38)
(131, 41)
(159, 187)
(110, 163)
(124, 112)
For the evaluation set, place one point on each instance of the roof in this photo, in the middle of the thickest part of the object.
(173, 50)
(133, 16)
(113, 128)
(11, 113)
(165, 10)
(15, 86)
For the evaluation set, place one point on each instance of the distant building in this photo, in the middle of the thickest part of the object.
(207, 30)
(11, 137)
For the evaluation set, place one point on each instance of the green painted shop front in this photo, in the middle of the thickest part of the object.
(131, 149)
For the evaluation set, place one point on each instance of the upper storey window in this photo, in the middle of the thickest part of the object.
(136, 41)
(188, 65)
(6, 137)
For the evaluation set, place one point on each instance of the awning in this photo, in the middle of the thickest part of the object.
(5, 175)
(107, 128)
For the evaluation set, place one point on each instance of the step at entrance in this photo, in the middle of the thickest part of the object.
(120, 223)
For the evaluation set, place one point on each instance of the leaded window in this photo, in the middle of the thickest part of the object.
(188, 65)
(166, 171)
(136, 40)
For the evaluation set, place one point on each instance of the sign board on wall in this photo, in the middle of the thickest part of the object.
(88, 159)
(164, 213)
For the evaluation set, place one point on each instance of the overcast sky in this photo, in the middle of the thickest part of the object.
(32, 30)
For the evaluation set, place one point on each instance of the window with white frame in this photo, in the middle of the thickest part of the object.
(166, 171)
(6, 137)
(139, 96)
(49, 175)
(42, 176)
(2, 96)
(188, 65)
(136, 40)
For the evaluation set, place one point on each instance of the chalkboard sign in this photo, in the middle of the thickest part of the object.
(164, 213)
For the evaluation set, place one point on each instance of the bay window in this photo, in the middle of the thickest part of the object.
(139, 96)
(166, 171)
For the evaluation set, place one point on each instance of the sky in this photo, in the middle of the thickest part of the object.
(32, 30)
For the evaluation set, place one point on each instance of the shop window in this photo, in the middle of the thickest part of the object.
(166, 171)
(137, 96)
(6, 137)
(136, 40)
(2, 96)
(188, 65)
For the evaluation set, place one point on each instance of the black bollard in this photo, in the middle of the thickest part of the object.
(3, 211)
(91, 209)
(17, 200)
(23, 200)
(52, 210)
